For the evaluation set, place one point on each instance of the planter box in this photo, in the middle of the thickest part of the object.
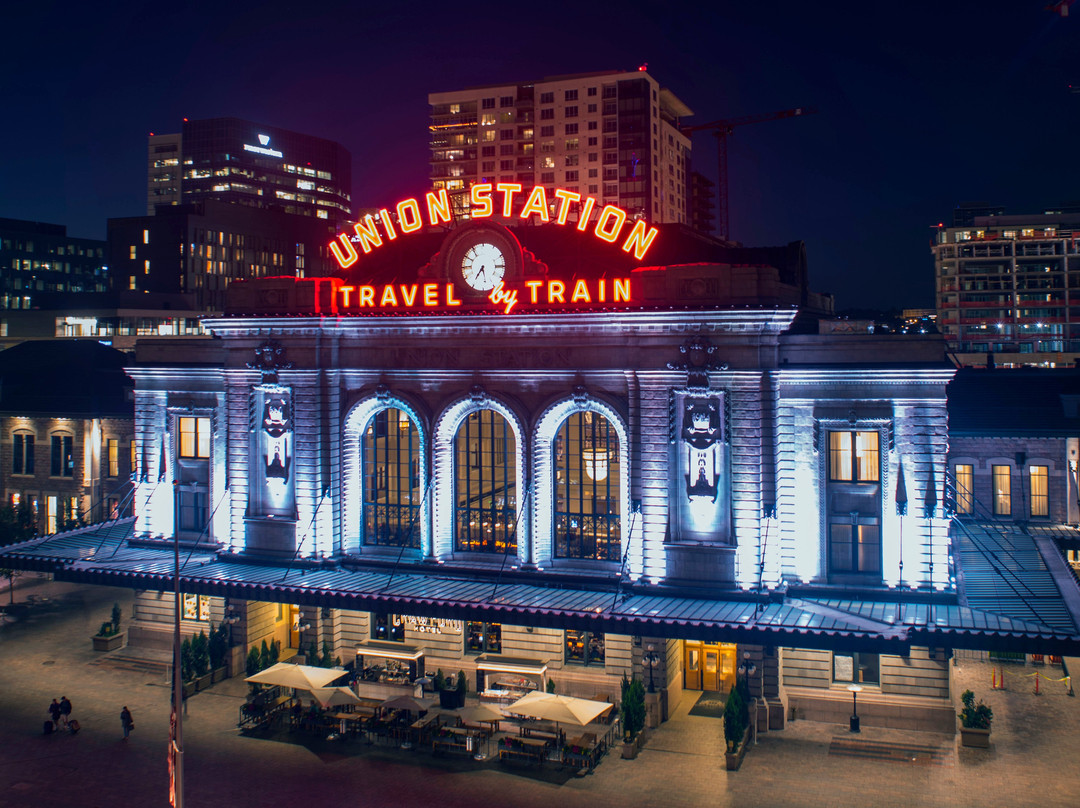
(203, 682)
(189, 689)
(110, 643)
(219, 674)
(451, 699)
(733, 760)
(630, 749)
(977, 738)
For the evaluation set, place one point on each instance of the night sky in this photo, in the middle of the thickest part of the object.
(920, 105)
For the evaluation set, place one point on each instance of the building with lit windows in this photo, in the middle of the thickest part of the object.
(251, 164)
(613, 136)
(1008, 289)
(38, 258)
(550, 452)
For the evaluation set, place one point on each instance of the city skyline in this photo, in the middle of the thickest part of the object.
(909, 104)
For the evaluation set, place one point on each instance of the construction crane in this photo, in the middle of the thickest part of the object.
(722, 129)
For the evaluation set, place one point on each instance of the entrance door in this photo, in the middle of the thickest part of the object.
(708, 667)
(692, 666)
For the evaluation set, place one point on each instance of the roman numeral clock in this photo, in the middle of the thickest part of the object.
(477, 256)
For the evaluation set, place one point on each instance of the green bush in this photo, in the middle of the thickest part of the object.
(264, 657)
(462, 685)
(275, 652)
(736, 718)
(187, 662)
(974, 716)
(200, 654)
(551, 686)
(440, 681)
(116, 614)
(106, 629)
(633, 706)
(254, 661)
(326, 658)
(218, 646)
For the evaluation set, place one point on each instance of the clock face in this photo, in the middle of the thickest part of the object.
(483, 266)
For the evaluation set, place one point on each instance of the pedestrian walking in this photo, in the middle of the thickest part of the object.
(54, 711)
(125, 720)
(65, 710)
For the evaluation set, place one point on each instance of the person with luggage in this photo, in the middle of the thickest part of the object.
(65, 710)
(125, 720)
(54, 711)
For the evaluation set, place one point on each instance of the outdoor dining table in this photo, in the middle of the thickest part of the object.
(350, 722)
(458, 739)
(533, 750)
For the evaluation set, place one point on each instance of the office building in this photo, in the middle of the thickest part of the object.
(245, 163)
(1008, 289)
(613, 136)
(38, 258)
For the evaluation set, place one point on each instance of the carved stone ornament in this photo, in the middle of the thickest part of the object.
(698, 359)
(268, 360)
(478, 394)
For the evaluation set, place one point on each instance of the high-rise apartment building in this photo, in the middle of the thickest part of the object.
(36, 257)
(245, 163)
(1009, 286)
(612, 136)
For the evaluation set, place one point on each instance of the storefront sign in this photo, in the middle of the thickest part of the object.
(433, 625)
(610, 224)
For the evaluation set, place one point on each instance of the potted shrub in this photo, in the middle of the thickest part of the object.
(109, 636)
(254, 661)
(975, 719)
(633, 716)
(218, 650)
(200, 661)
(736, 729)
(187, 668)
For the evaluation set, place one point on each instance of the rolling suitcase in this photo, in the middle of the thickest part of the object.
(47, 727)
(73, 726)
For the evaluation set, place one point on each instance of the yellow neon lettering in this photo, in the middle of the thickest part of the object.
(536, 203)
(367, 296)
(555, 291)
(602, 290)
(408, 298)
(501, 297)
(508, 189)
(622, 290)
(610, 213)
(581, 292)
(639, 240)
(408, 213)
(388, 224)
(431, 294)
(345, 290)
(450, 299)
(586, 212)
(388, 297)
(438, 207)
(347, 257)
(534, 289)
(565, 197)
(480, 197)
(369, 236)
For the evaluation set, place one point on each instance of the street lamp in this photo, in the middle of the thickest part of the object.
(855, 689)
(748, 669)
(651, 659)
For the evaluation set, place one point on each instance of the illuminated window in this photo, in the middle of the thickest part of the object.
(965, 484)
(196, 607)
(390, 452)
(145, 236)
(853, 456)
(853, 498)
(134, 452)
(131, 252)
(388, 627)
(22, 461)
(112, 447)
(587, 480)
(194, 437)
(51, 507)
(857, 668)
(1040, 504)
(584, 647)
(483, 638)
(485, 484)
(1002, 480)
(62, 456)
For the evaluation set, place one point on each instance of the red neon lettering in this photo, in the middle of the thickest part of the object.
(586, 212)
(565, 197)
(555, 291)
(431, 294)
(438, 207)
(581, 292)
(388, 297)
(388, 224)
(408, 213)
(639, 240)
(536, 203)
(369, 236)
(501, 297)
(534, 289)
(408, 298)
(367, 296)
(347, 257)
(345, 295)
(450, 299)
(480, 197)
(622, 290)
(508, 189)
(612, 214)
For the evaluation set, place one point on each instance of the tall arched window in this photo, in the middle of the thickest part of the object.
(390, 457)
(485, 484)
(587, 470)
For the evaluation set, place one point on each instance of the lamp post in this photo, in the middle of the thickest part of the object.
(854, 725)
(748, 669)
(651, 659)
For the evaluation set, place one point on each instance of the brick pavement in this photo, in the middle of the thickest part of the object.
(46, 653)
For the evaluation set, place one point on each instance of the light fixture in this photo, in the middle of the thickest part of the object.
(596, 464)
(854, 723)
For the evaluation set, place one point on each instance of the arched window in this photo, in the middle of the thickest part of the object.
(587, 485)
(390, 455)
(485, 484)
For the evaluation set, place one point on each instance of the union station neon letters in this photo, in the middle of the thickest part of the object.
(609, 225)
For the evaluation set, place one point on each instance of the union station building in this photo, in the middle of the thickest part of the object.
(543, 449)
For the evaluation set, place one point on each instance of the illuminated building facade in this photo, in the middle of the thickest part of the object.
(662, 455)
(613, 136)
(38, 258)
(245, 163)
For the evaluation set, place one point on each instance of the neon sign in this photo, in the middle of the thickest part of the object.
(610, 223)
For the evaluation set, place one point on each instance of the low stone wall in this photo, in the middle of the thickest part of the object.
(875, 709)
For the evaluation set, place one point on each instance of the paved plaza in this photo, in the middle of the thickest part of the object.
(45, 652)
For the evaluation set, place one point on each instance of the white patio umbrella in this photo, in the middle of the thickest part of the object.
(305, 677)
(334, 696)
(480, 714)
(558, 708)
